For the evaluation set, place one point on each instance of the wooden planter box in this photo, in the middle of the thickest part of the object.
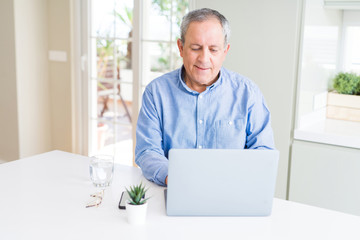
(343, 107)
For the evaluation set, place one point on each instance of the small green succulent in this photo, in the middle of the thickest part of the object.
(136, 194)
(347, 83)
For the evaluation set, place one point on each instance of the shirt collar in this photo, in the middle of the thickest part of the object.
(212, 86)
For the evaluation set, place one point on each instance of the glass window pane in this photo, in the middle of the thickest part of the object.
(105, 138)
(124, 144)
(104, 58)
(124, 18)
(102, 18)
(102, 137)
(157, 20)
(126, 75)
(158, 56)
(105, 100)
(124, 103)
(176, 59)
(123, 52)
(352, 49)
(180, 8)
(93, 100)
(156, 60)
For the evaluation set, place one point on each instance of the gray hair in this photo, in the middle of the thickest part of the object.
(201, 15)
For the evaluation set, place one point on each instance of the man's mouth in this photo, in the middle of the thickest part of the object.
(202, 68)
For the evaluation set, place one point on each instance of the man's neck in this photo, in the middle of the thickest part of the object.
(198, 87)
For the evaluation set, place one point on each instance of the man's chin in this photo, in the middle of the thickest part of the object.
(202, 79)
(204, 82)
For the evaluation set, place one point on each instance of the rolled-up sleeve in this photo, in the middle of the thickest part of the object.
(149, 153)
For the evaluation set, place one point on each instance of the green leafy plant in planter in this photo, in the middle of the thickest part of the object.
(347, 83)
(137, 204)
(136, 194)
(344, 102)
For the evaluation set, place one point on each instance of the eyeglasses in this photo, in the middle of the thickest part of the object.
(97, 199)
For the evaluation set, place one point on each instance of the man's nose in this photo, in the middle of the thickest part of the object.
(204, 55)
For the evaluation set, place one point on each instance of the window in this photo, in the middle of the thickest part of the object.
(329, 41)
(116, 79)
(351, 39)
(161, 28)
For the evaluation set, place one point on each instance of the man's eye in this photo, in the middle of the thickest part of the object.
(195, 49)
(213, 50)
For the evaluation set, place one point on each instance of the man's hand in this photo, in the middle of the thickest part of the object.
(166, 180)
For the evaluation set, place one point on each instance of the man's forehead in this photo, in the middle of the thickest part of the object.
(200, 41)
(198, 33)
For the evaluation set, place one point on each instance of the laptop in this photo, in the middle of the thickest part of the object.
(221, 182)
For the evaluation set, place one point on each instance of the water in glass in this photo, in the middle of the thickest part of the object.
(101, 170)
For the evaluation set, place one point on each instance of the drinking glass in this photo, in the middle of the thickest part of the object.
(102, 170)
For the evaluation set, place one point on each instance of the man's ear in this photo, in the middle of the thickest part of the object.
(181, 47)
(227, 48)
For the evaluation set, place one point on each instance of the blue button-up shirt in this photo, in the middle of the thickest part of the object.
(231, 113)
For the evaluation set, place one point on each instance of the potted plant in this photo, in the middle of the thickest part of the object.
(343, 102)
(136, 206)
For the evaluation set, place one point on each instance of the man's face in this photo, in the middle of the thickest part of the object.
(203, 53)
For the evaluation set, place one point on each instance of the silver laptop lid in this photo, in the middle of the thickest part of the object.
(221, 182)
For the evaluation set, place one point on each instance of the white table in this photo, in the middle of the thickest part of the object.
(44, 197)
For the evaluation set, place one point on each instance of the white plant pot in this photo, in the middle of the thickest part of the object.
(136, 213)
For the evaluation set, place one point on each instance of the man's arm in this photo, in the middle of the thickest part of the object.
(149, 153)
(259, 131)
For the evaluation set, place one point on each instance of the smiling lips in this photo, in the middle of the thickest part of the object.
(202, 68)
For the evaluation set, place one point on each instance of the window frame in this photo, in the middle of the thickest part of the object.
(82, 79)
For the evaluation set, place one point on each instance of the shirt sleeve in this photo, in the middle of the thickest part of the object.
(149, 153)
(259, 131)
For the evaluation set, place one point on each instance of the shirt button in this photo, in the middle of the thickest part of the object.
(199, 146)
(200, 121)
(230, 123)
(200, 96)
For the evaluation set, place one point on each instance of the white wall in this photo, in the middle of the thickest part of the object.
(9, 140)
(60, 74)
(263, 46)
(32, 76)
(35, 94)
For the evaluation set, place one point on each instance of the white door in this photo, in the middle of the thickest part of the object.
(129, 43)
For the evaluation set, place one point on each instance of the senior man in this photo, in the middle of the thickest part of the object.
(201, 104)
